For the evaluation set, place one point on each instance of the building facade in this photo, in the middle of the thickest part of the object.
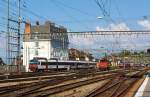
(80, 55)
(47, 40)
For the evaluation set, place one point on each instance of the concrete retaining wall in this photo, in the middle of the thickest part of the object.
(11, 68)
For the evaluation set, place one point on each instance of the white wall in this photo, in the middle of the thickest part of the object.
(29, 49)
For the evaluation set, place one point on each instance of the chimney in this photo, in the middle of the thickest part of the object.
(37, 23)
(27, 31)
(27, 28)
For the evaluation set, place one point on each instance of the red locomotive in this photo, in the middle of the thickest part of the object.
(103, 64)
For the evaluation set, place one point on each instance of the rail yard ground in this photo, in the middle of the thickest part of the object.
(114, 83)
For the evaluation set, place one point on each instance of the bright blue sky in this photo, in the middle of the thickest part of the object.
(128, 11)
(81, 15)
(77, 15)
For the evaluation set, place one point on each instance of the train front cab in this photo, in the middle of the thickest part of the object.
(33, 65)
(37, 66)
(103, 65)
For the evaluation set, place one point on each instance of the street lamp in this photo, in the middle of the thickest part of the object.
(99, 17)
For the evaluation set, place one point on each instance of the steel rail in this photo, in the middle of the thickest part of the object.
(26, 88)
(51, 91)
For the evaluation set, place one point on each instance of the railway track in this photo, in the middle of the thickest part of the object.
(34, 85)
(34, 89)
(57, 89)
(116, 87)
(37, 76)
(29, 75)
(34, 75)
(20, 90)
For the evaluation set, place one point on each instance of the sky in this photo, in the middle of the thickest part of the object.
(81, 15)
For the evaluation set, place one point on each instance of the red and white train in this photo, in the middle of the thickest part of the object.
(42, 64)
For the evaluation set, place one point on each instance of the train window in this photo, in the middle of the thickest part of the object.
(51, 63)
(44, 63)
(36, 44)
(34, 62)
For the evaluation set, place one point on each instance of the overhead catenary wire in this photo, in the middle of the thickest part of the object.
(25, 13)
(28, 11)
(75, 9)
(104, 12)
(68, 14)
(118, 11)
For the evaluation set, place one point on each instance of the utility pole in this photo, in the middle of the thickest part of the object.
(18, 48)
(13, 36)
(124, 65)
(19, 22)
(7, 35)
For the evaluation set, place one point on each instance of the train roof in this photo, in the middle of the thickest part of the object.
(70, 61)
(67, 61)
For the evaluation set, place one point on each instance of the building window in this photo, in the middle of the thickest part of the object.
(36, 52)
(36, 44)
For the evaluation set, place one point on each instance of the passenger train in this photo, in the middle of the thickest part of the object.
(42, 64)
